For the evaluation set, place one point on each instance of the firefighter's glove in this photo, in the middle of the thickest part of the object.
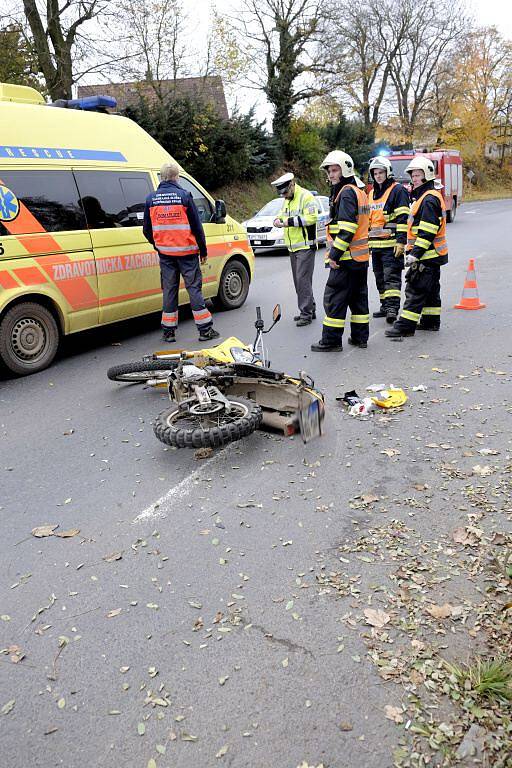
(399, 250)
(410, 260)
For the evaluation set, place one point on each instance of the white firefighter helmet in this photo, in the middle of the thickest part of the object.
(337, 157)
(422, 163)
(382, 163)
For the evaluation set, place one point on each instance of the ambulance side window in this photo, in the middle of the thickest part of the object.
(202, 203)
(47, 199)
(112, 198)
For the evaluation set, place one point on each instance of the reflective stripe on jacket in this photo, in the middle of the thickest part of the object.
(381, 233)
(426, 237)
(171, 221)
(299, 216)
(350, 237)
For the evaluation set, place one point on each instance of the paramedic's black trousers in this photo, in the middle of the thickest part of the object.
(346, 288)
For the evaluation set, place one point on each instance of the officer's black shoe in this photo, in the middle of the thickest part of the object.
(391, 316)
(169, 335)
(360, 344)
(299, 317)
(427, 327)
(209, 334)
(397, 333)
(322, 346)
(303, 321)
(380, 313)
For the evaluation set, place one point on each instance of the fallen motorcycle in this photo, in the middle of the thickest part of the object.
(223, 393)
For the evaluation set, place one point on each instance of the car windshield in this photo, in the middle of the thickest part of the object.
(272, 208)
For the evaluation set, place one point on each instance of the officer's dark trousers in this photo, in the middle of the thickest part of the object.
(172, 268)
(346, 288)
(303, 265)
(422, 298)
(388, 277)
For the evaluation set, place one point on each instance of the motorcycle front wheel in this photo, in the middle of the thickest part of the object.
(133, 373)
(210, 427)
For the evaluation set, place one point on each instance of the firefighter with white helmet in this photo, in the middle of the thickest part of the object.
(298, 217)
(347, 257)
(389, 209)
(426, 252)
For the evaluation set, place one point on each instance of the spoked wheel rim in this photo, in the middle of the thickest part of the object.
(185, 420)
(136, 376)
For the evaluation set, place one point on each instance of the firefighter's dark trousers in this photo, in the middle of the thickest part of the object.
(303, 265)
(346, 288)
(388, 277)
(172, 268)
(422, 298)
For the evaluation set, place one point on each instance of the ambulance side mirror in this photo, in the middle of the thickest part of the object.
(220, 212)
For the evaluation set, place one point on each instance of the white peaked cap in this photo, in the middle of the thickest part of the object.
(286, 178)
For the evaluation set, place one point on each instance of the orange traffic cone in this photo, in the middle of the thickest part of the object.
(470, 298)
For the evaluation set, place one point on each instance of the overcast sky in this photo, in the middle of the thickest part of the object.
(497, 12)
(486, 12)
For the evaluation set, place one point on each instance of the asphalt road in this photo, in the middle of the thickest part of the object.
(243, 534)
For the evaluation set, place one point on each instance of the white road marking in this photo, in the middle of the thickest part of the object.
(163, 505)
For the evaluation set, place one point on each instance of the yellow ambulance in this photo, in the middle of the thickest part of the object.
(72, 254)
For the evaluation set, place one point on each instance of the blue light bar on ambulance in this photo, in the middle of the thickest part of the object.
(88, 103)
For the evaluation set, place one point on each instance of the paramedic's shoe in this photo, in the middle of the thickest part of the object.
(208, 334)
(169, 335)
(391, 316)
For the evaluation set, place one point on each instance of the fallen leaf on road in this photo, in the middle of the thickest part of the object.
(369, 498)
(394, 713)
(115, 612)
(141, 729)
(61, 703)
(112, 557)
(8, 707)
(68, 534)
(188, 737)
(464, 536)
(440, 611)
(482, 471)
(44, 530)
(391, 452)
(376, 617)
(203, 453)
(222, 751)
(346, 726)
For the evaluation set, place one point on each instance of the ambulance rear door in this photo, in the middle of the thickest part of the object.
(126, 264)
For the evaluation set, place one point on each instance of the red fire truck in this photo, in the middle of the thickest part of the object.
(448, 165)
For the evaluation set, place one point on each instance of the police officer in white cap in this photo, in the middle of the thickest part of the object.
(298, 217)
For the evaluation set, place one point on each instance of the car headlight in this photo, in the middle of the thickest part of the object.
(241, 355)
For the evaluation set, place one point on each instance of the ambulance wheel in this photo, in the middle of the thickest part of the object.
(134, 373)
(29, 338)
(233, 285)
(183, 429)
(450, 215)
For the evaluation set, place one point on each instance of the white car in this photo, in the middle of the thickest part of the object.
(263, 236)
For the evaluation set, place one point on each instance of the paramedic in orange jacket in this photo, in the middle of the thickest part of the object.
(172, 225)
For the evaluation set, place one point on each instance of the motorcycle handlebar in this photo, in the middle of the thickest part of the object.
(258, 313)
